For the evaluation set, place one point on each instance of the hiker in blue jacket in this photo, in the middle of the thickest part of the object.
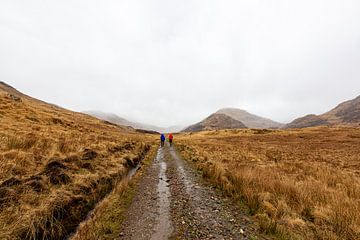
(162, 138)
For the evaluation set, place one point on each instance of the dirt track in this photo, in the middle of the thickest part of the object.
(173, 202)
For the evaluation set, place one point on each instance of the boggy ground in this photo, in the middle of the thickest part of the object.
(173, 202)
(298, 184)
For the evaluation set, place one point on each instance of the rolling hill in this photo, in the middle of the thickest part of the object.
(346, 113)
(215, 121)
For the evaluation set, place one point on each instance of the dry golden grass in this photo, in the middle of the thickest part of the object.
(299, 184)
(106, 219)
(55, 165)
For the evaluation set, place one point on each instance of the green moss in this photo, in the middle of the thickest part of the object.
(113, 214)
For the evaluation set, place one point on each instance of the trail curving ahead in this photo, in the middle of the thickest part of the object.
(173, 202)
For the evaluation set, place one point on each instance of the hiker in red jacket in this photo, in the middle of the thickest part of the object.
(171, 137)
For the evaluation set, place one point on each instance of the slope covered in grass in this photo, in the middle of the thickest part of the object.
(55, 165)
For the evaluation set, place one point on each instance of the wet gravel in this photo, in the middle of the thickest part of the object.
(174, 202)
(201, 212)
(141, 217)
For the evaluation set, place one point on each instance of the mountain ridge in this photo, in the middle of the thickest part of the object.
(345, 113)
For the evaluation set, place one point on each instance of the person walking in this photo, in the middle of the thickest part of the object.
(162, 139)
(171, 137)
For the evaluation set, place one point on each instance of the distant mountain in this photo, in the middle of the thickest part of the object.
(344, 114)
(215, 121)
(250, 120)
(115, 119)
(174, 129)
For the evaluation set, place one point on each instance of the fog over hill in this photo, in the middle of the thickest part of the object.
(346, 113)
(113, 118)
(250, 120)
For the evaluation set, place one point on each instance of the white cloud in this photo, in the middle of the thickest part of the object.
(171, 62)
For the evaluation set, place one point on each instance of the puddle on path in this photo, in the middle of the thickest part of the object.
(163, 229)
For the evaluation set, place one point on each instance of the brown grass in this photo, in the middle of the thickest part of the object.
(55, 165)
(298, 184)
(106, 219)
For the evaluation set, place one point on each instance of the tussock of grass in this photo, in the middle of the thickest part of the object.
(298, 184)
(55, 165)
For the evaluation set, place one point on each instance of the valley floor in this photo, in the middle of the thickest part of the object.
(297, 184)
(244, 184)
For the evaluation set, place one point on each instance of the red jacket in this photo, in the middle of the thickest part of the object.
(171, 137)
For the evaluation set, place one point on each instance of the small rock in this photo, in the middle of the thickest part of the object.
(242, 231)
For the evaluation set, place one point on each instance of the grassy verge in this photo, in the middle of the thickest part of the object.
(105, 221)
(300, 184)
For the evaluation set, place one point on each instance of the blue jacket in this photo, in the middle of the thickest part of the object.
(162, 138)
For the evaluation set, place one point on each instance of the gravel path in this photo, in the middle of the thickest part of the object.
(173, 202)
(148, 216)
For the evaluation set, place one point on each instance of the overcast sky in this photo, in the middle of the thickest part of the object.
(174, 62)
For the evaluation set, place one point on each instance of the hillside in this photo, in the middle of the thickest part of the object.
(310, 120)
(250, 120)
(55, 165)
(215, 122)
(12, 92)
(346, 113)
